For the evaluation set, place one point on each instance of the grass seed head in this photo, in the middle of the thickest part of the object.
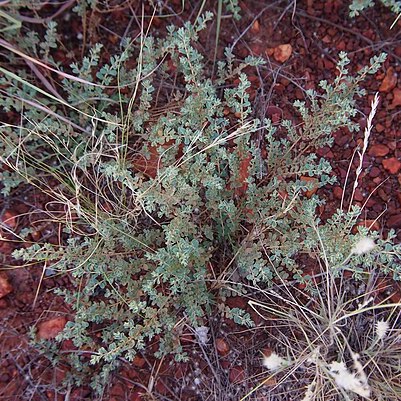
(274, 362)
(364, 245)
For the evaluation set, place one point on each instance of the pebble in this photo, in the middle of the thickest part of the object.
(396, 98)
(392, 165)
(255, 28)
(237, 374)
(394, 221)
(389, 82)
(5, 286)
(338, 192)
(314, 181)
(282, 53)
(374, 172)
(51, 328)
(222, 346)
(379, 150)
(9, 218)
(138, 361)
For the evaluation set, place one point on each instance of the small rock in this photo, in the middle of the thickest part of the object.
(68, 345)
(5, 286)
(315, 183)
(9, 218)
(267, 352)
(236, 302)
(255, 28)
(358, 195)
(392, 165)
(237, 374)
(269, 51)
(341, 45)
(374, 172)
(49, 329)
(274, 113)
(282, 53)
(36, 235)
(222, 347)
(138, 361)
(338, 192)
(389, 82)
(396, 98)
(326, 39)
(394, 221)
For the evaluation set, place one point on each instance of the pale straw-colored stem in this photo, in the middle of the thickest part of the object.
(361, 154)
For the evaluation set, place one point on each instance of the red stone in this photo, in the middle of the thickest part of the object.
(5, 286)
(392, 165)
(274, 113)
(396, 98)
(282, 53)
(267, 352)
(9, 218)
(269, 51)
(236, 302)
(315, 183)
(68, 345)
(341, 45)
(222, 346)
(389, 82)
(374, 172)
(237, 374)
(378, 150)
(394, 221)
(358, 195)
(338, 192)
(255, 28)
(138, 361)
(51, 328)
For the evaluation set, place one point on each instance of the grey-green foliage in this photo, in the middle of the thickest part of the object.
(359, 5)
(145, 246)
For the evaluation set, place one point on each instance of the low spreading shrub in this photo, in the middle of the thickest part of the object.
(171, 194)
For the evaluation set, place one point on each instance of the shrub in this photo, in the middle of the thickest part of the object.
(359, 5)
(166, 189)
